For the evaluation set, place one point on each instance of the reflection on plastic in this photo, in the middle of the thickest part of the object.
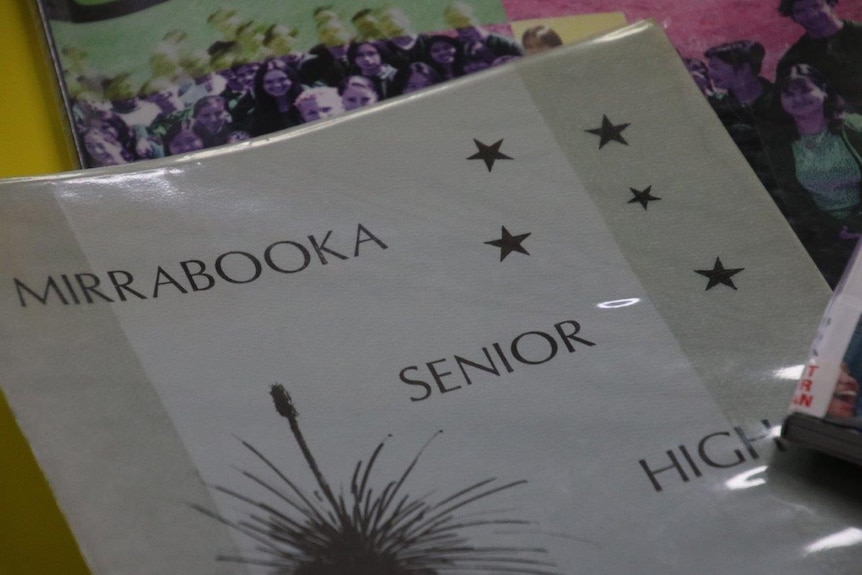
(774, 432)
(619, 303)
(845, 538)
(746, 479)
(616, 35)
(792, 372)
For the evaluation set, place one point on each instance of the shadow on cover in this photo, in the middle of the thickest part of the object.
(74, 11)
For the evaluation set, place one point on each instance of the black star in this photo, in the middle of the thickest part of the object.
(643, 196)
(719, 275)
(609, 132)
(489, 154)
(509, 243)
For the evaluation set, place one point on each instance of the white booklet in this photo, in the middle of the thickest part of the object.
(535, 321)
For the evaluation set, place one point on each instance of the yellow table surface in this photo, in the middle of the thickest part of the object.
(32, 136)
(34, 537)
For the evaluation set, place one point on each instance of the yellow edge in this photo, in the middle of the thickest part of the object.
(34, 537)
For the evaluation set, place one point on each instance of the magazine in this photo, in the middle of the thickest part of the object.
(509, 324)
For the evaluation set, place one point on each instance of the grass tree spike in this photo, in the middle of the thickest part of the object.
(283, 403)
(284, 406)
(373, 531)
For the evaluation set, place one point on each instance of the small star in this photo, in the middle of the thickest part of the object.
(719, 275)
(643, 196)
(609, 132)
(509, 243)
(489, 154)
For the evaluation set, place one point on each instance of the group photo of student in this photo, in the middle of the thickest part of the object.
(254, 80)
(802, 133)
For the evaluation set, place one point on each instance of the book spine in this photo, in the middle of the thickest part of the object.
(40, 13)
(818, 388)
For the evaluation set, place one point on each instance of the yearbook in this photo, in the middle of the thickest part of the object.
(236, 70)
(540, 320)
(133, 74)
(753, 61)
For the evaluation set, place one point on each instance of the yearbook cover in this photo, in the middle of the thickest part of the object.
(133, 74)
(514, 324)
(785, 79)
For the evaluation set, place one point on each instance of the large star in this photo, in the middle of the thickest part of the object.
(609, 132)
(509, 243)
(643, 196)
(489, 154)
(719, 275)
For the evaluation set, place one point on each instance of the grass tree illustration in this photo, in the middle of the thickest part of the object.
(373, 531)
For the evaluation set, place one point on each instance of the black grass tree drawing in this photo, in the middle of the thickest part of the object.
(373, 531)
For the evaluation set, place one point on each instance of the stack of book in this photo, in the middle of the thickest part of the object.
(541, 319)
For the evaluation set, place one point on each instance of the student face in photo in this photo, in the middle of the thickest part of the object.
(280, 39)
(243, 76)
(110, 124)
(721, 73)
(394, 23)
(103, 149)
(704, 82)
(281, 45)
(163, 64)
(310, 110)
(355, 96)
(843, 402)
(442, 52)
(540, 39)
(185, 141)
(276, 83)
(325, 16)
(534, 46)
(802, 98)
(460, 17)
(470, 34)
(417, 81)
(238, 136)
(211, 116)
(227, 25)
(90, 103)
(368, 59)
(333, 35)
(162, 97)
(105, 126)
(322, 105)
(367, 25)
(815, 16)
(700, 74)
(249, 36)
